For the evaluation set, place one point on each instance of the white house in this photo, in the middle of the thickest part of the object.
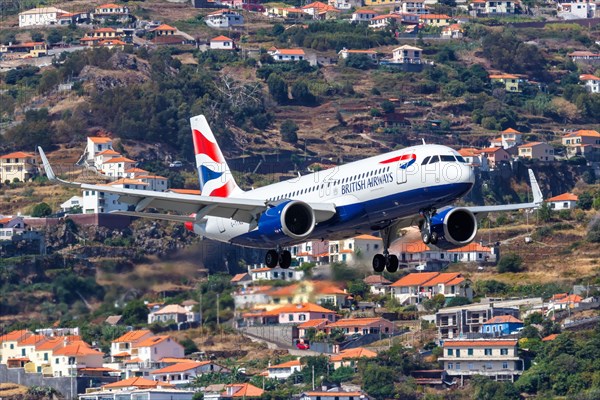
(155, 348)
(95, 201)
(475, 157)
(416, 287)
(103, 156)
(508, 138)
(224, 19)
(316, 251)
(125, 346)
(116, 166)
(499, 7)
(345, 4)
(135, 172)
(382, 21)
(184, 372)
(591, 82)
(11, 226)
(565, 201)
(155, 182)
(17, 166)
(407, 55)
(175, 313)
(67, 360)
(363, 15)
(259, 272)
(377, 284)
(40, 16)
(576, 9)
(96, 144)
(453, 31)
(284, 370)
(75, 201)
(359, 248)
(537, 151)
(287, 54)
(413, 7)
(222, 43)
(345, 53)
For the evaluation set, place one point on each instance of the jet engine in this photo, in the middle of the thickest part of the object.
(294, 218)
(454, 227)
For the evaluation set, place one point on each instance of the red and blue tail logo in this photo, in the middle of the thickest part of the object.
(213, 172)
(405, 160)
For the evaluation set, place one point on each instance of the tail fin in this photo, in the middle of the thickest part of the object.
(214, 174)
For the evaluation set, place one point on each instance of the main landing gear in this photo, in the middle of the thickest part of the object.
(386, 260)
(426, 232)
(281, 257)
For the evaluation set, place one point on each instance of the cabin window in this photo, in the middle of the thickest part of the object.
(448, 158)
(434, 159)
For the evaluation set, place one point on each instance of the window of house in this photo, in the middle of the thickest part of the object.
(488, 352)
(505, 365)
(469, 352)
(503, 352)
(450, 365)
(450, 352)
(457, 365)
(457, 353)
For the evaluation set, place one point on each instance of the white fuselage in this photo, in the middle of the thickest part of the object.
(367, 194)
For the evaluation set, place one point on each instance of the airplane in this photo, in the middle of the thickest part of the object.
(414, 186)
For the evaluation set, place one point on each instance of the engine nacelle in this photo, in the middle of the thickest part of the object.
(294, 218)
(455, 227)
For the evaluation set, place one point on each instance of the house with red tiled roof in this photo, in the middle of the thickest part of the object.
(364, 15)
(497, 359)
(173, 313)
(320, 10)
(377, 284)
(222, 43)
(111, 12)
(115, 167)
(416, 287)
(335, 394)
(76, 355)
(537, 151)
(242, 279)
(435, 19)
(183, 373)
(283, 370)
(232, 391)
(259, 272)
(564, 301)
(453, 31)
(550, 338)
(350, 357)
(502, 325)
(511, 83)
(565, 201)
(584, 143)
(136, 382)
(508, 138)
(345, 4)
(474, 157)
(9, 344)
(224, 19)
(316, 251)
(18, 166)
(495, 156)
(308, 291)
(591, 82)
(299, 313)
(125, 346)
(287, 55)
(155, 348)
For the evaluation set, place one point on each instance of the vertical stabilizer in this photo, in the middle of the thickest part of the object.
(214, 174)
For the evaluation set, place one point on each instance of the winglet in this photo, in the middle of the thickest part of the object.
(535, 188)
(50, 173)
(47, 166)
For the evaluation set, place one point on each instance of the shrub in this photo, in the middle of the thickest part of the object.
(289, 131)
(41, 210)
(593, 234)
(510, 263)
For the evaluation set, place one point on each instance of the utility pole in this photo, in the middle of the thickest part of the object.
(313, 377)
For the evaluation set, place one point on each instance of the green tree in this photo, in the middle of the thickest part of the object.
(37, 36)
(545, 212)
(289, 131)
(41, 210)
(342, 374)
(584, 201)
(388, 107)
(593, 233)
(135, 313)
(510, 262)
(378, 381)
(359, 61)
(54, 36)
(358, 288)
(278, 88)
(302, 94)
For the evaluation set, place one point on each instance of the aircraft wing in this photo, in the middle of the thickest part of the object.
(243, 210)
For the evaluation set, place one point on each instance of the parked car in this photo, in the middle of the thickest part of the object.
(176, 164)
(302, 346)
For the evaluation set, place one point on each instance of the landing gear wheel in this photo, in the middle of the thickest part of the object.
(271, 259)
(378, 263)
(285, 259)
(393, 263)
(426, 236)
(434, 238)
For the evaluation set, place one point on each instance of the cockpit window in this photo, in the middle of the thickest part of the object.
(460, 159)
(448, 158)
(425, 160)
(434, 159)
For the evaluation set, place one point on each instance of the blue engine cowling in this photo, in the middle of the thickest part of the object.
(294, 218)
(455, 227)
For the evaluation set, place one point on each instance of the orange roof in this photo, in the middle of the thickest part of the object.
(134, 360)
(376, 280)
(109, 152)
(334, 394)
(245, 390)
(99, 140)
(15, 336)
(490, 150)
(102, 30)
(470, 248)
(150, 177)
(56, 342)
(355, 322)
(260, 270)
(185, 191)
(117, 160)
(468, 152)
(510, 130)
(443, 278)
(366, 11)
(163, 27)
(564, 197)
(151, 341)
(587, 77)
(133, 336)
(479, 343)
(583, 132)
(111, 42)
(572, 298)
(503, 319)
(434, 16)
(367, 237)
(299, 308)
(138, 382)
(127, 181)
(289, 364)
(33, 340)
(122, 354)
(503, 76)
(320, 6)
(415, 279)
(550, 338)
(531, 144)
(291, 52)
(109, 5)
(221, 39)
(180, 367)
(353, 353)
(313, 323)
(78, 348)
(170, 360)
(239, 277)
(135, 169)
(18, 154)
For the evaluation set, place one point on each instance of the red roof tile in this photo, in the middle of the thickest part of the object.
(564, 197)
